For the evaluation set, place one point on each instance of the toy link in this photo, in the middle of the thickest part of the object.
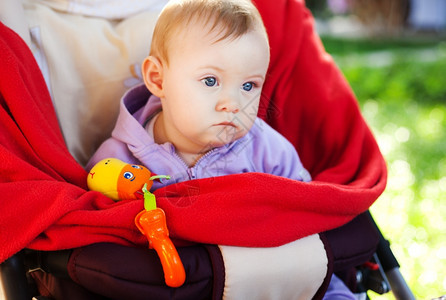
(119, 180)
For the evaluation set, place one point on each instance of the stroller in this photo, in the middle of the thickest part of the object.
(334, 143)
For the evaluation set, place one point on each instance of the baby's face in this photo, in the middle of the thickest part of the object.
(212, 89)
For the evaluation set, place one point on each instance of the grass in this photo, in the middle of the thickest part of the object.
(401, 87)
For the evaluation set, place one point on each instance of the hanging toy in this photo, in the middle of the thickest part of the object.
(119, 180)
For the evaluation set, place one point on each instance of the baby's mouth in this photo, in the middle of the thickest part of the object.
(227, 124)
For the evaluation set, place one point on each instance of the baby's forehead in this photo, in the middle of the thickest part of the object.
(198, 28)
(218, 19)
(210, 30)
(198, 49)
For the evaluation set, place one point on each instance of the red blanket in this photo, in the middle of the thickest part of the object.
(45, 204)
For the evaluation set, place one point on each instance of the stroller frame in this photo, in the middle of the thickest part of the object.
(14, 270)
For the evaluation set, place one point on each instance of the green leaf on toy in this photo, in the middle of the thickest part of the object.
(149, 199)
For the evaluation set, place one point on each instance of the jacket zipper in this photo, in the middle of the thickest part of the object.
(192, 171)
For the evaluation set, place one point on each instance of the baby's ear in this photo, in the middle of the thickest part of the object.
(152, 73)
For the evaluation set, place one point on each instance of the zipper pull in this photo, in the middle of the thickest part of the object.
(191, 173)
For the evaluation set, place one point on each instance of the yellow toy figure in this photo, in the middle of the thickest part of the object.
(119, 180)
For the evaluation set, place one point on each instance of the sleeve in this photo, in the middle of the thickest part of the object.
(273, 154)
(111, 148)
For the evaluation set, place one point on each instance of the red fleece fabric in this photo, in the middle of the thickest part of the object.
(45, 204)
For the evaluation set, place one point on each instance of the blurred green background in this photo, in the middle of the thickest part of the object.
(399, 78)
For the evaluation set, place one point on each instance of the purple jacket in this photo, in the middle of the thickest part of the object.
(262, 149)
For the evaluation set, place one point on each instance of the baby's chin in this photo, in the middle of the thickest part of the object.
(226, 136)
(217, 143)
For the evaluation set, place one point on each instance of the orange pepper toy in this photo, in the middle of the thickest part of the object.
(119, 180)
(152, 223)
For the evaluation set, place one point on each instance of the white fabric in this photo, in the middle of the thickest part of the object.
(88, 64)
(109, 9)
(12, 15)
(292, 271)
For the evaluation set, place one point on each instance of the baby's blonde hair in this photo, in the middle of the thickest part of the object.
(232, 17)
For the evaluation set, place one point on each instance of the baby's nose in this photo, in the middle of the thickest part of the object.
(228, 104)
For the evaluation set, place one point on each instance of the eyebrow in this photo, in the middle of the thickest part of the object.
(222, 70)
(211, 67)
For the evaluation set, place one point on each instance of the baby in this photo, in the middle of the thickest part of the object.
(205, 72)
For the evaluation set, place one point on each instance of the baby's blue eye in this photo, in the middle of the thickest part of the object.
(247, 86)
(128, 175)
(210, 81)
(136, 167)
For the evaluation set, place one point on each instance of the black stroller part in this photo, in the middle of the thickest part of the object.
(391, 267)
(112, 271)
(13, 278)
(123, 272)
(53, 262)
(371, 276)
(353, 243)
(370, 247)
(361, 231)
(387, 259)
